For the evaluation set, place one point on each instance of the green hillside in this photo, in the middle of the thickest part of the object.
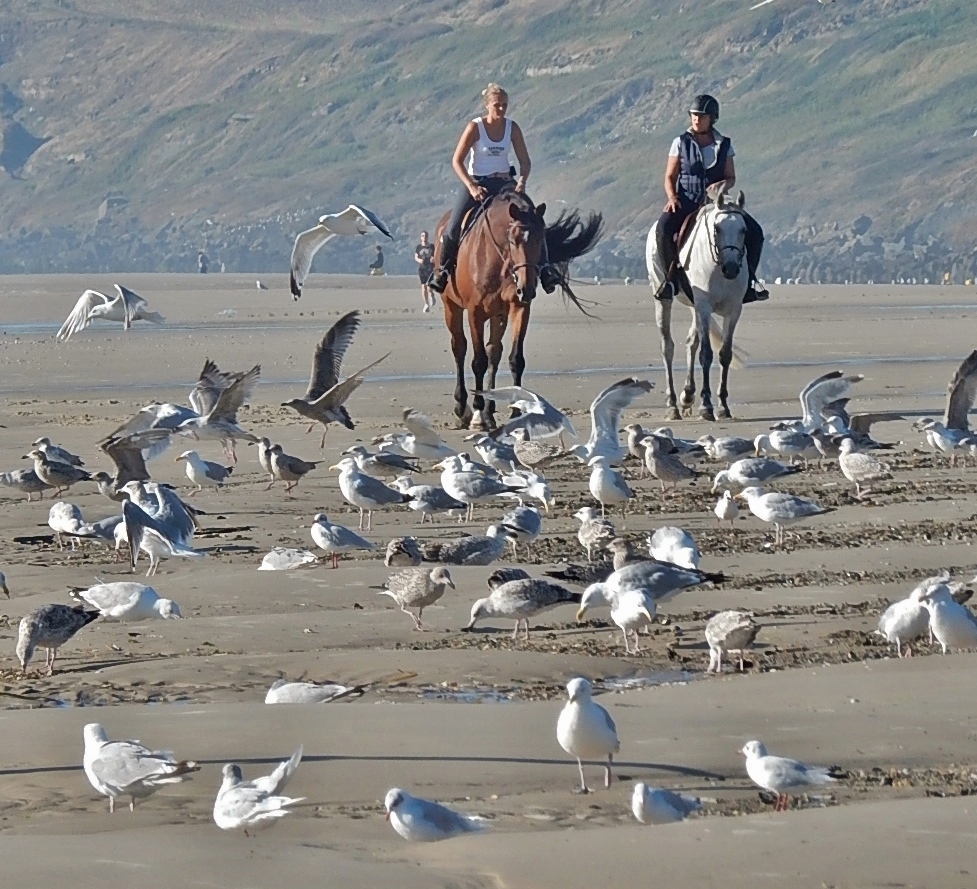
(230, 126)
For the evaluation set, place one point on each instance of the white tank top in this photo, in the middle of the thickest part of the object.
(487, 157)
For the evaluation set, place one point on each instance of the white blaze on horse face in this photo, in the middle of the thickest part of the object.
(730, 235)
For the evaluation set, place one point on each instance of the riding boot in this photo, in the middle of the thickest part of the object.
(755, 291)
(667, 253)
(449, 252)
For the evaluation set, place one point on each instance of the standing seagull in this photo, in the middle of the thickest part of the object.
(284, 467)
(779, 774)
(417, 588)
(243, 803)
(780, 509)
(93, 306)
(365, 492)
(49, 626)
(608, 486)
(204, 472)
(336, 539)
(352, 221)
(325, 400)
(860, 468)
(585, 730)
(126, 768)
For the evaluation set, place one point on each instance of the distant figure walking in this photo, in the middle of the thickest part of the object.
(424, 257)
(203, 263)
(376, 267)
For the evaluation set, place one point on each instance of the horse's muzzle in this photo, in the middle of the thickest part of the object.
(525, 294)
(731, 270)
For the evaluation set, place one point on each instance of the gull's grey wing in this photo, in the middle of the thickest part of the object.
(130, 465)
(306, 246)
(274, 783)
(605, 411)
(372, 217)
(208, 387)
(961, 392)
(237, 394)
(328, 358)
(337, 395)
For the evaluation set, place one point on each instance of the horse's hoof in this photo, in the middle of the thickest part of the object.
(724, 414)
(672, 413)
(477, 422)
(706, 414)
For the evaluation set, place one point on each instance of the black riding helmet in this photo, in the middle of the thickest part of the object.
(705, 104)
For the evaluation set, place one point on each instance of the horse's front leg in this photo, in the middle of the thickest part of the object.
(519, 316)
(692, 349)
(663, 317)
(454, 318)
(725, 360)
(493, 349)
(705, 359)
(476, 329)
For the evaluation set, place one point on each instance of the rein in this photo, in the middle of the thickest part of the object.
(715, 250)
(507, 263)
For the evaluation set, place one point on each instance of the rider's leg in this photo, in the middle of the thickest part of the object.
(449, 241)
(668, 225)
(754, 246)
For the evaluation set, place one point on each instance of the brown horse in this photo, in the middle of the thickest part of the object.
(495, 280)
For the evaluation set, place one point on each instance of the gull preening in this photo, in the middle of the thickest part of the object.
(953, 625)
(586, 731)
(127, 768)
(403, 552)
(49, 627)
(653, 805)
(903, 622)
(422, 821)
(675, 545)
(325, 399)
(726, 632)
(631, 610)
(781, 775)
(605, 420)
(726, 509)
(125, 306)
(353, 220)
(246, 804)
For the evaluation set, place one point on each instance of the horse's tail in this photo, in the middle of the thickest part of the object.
(570, 237)
(716, 338)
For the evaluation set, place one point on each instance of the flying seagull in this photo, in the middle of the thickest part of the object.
(325, 399)
(92, 306)
(352, 221)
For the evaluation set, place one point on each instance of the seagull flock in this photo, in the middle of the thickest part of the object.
(153, 520)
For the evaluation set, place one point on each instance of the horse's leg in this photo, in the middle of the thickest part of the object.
(454, 318)
(493, 349)
(725, 359)
(519, 316)
(692, 349)
(705, 359)
(476, 329)
(663, 317)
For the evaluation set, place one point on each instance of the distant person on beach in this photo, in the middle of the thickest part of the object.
(700, 157)
(202, 263)
(376, 267)
(424, 257)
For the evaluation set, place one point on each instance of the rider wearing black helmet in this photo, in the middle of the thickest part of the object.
(701, 157)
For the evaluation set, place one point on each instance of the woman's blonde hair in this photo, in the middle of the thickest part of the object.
(492, 90)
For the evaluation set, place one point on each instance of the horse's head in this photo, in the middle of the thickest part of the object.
(524, 240)
(729, 235)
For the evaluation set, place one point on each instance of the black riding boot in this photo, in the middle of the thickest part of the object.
(666, 251)
(449, 252)
(549, 278)
(755, 292)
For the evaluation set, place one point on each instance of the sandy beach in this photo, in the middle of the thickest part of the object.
(469, 718)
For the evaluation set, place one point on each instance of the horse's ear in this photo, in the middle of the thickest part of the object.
(513, 211)
(540, 210)
(720, 199)
(741, 200)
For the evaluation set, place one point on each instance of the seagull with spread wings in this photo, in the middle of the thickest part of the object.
(605, 419)
(218, 404)
(325, 399)
(126, 307)
(352, 221)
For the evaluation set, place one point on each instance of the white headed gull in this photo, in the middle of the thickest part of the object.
(652, 805)
(585, 730)
(779, 774)
(244, 804)
(423, 821)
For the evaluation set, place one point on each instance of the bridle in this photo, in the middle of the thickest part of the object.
(510, 267)
(714, 247)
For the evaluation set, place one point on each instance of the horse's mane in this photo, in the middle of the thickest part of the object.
(570, 237)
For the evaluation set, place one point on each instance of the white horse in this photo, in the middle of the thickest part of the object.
(714, 259)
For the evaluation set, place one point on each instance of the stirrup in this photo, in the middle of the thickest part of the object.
(665, 293)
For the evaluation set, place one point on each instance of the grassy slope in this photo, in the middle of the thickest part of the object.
(269, 112)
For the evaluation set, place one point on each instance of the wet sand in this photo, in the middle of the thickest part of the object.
(472, 720)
